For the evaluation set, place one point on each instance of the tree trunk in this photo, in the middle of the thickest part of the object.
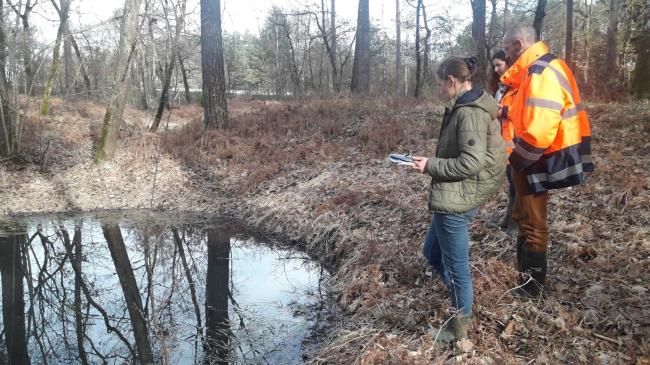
(568, 44)
(427, 47)
(180, 24)
(641, 78)
(361, 66)
(330, 46)
(27, 47)
(398, 49)
(216, 345)
(3, 51)
(56, 61)
(13, 303)
(539, 18)
(418, 55)
(612, 48)
(111, 125)
(181, 64)
(293, 64)
(478, 35)
(84, 74)
(215, 105)
(130, 290)
(68, 75)
(8, 121)
(490, 43)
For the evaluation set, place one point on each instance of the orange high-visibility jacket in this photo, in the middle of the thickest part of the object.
(551, 128)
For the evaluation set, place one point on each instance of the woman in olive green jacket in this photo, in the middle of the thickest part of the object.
(468, 168)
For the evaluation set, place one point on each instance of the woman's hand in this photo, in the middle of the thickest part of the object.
(419, 163)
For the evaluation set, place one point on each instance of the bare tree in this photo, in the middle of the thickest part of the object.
(26, 41)
(361, 64)
(612, 45)
(82, 67)
(68, 68)
(398, 49)
(426, 61)
(215, 106)
(329, 41)
(568, 44)
(540, 13)
(180, 24)
(110, 129)
(9, 123)
(641, 78)
(478, 35)
(418, 53)
(335, 78)
(181, 65)
(63, 11)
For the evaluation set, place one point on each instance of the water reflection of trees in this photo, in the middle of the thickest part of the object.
(118, 295)
(13, 304)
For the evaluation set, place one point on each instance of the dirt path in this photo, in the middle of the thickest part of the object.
(315, 174)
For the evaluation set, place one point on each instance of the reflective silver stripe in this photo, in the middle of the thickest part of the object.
(510, 144)
(557, 176)
(544, 103)
(572, 112)
(586, 159)
(560, 77)
(521, 151)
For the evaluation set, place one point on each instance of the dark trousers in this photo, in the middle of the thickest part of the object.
(511, 186)
(531, 214)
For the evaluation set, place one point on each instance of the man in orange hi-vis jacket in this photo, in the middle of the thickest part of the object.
(552, 144)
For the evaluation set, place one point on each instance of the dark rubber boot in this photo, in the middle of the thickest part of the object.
(532, 272)
(454, 329)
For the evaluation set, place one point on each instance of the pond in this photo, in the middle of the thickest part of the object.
(145, 287)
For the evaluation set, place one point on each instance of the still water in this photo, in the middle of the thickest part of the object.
(144, 287)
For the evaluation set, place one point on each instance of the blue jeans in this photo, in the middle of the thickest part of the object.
(446, 248)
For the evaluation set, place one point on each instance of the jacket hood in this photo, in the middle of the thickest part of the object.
(476, 98)
(515, 73)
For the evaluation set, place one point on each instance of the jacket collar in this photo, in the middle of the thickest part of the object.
(464, 97)
(515, 74)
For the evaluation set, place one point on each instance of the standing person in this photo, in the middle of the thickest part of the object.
(552, 145)
(503, 98)
(468, 168)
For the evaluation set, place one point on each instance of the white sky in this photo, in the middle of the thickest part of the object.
(249, 15)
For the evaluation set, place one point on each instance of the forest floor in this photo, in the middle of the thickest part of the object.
(315, 173)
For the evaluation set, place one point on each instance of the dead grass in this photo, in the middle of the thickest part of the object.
(314, 173)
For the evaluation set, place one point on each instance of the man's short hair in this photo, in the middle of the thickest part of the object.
(521, 31)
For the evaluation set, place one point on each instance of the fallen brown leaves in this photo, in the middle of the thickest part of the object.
(314, 173)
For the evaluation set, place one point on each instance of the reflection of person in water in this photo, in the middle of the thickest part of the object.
(216, 344)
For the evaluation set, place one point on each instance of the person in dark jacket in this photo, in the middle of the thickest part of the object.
(467, 169)
(499, 91)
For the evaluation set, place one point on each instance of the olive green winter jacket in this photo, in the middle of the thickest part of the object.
(470, 161)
